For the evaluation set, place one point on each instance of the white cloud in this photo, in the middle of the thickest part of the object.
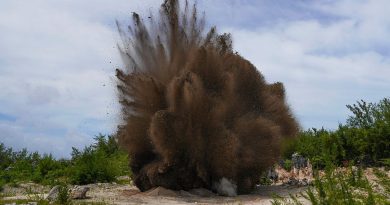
(324, 65)
(55, 74)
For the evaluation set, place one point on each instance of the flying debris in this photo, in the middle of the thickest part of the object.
(195, 113)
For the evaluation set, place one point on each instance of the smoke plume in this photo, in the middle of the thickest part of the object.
(195, 113)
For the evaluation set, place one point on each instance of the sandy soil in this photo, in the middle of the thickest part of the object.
(112, 193)
(128, 194)
(131, 195)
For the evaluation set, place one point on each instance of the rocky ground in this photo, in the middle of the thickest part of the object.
(286, 183)
(109, 193)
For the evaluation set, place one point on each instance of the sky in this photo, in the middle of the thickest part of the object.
(57, 61)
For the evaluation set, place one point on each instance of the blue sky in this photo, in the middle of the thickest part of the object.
(57, 61)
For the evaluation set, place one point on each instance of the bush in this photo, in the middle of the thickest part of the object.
(63, 197)
(364, 139)
(48, 170)
(2, 183)
(338, 188)
(102, 161)
(287, 165)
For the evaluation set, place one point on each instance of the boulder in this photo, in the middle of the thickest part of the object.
(53, 193)
(79, 192)
(298, 161)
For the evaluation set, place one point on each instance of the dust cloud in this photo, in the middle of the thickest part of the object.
(195, 113)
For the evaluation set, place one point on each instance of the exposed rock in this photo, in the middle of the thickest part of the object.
(301, 173)
(53, 193)
(272, 174)
(123, 178)
(298, 161)
(292, 181)
(79, 192)
(304, 182)
(283, 175)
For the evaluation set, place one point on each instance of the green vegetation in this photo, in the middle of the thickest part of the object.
(63, 195)
(102, 161)
(338, 187)
(363, 140)
(383, 179)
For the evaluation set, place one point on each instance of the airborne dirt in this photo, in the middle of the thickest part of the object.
(195, 113)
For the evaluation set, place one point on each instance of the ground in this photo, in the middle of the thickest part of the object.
(111, 193)
(114, 193)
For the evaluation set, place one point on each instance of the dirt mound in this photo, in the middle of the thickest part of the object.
(161, 191)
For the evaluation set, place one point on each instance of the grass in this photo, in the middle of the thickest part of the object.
(339, 187)
(383, 180)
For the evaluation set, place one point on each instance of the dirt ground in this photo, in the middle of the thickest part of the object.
(131, 195)
(111, 193)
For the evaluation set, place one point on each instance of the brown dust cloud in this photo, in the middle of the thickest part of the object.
(195, 114)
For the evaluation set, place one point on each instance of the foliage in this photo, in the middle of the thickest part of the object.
(102, 161)
(2, 183)
(385, 162)
(364, 139)
(337, 187)
(64, 197)
(287, 165)
(264, 179)
(383, 179)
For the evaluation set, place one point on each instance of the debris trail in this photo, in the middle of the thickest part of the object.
(195, 113)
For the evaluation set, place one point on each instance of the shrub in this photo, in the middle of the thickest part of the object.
(287, 165)
(364, 139)
(48, 169)
(100, 162)
(2, 183)
(338, 188)
(63, 197)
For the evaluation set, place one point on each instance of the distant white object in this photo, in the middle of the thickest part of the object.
(225, 187)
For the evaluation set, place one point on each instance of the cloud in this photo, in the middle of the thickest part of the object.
(57, 61)
(55, 75)
(324, 65)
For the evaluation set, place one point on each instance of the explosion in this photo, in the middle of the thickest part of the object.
(195, 113)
